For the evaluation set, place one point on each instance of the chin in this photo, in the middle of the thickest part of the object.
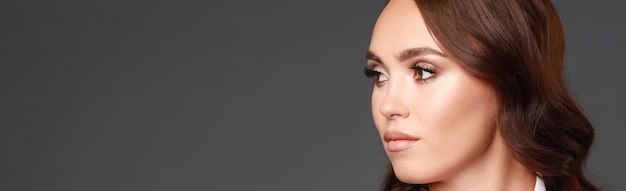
(413, 174)
(412, 178)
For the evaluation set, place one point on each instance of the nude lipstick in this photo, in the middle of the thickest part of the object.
(398, 141)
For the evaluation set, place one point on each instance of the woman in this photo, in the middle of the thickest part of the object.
(469, 95)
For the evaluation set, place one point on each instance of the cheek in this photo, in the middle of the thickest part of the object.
(377, 98)
(456, 118)
(457, 105)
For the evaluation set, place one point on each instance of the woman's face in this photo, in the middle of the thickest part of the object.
(434, 118)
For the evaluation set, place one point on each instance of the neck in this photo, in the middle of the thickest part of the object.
(495, 170)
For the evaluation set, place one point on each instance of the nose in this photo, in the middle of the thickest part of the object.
(394, 105)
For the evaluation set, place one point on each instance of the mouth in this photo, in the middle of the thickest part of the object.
(398, 141)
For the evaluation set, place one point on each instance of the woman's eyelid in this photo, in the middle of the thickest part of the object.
(371, 64)
(428, 66)
(377, 67)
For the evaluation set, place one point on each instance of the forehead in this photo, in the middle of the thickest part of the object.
(400, 26)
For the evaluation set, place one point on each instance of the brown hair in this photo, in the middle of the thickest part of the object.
(517, 47)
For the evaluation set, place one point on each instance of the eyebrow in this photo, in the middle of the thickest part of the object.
(407, 54)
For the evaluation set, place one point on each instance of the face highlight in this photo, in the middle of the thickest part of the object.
(435, 120)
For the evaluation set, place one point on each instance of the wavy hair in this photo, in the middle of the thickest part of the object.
(517, 47)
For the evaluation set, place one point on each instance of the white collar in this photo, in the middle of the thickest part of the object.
(539, 185)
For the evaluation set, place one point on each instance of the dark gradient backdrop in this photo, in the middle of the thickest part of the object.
(232, 95)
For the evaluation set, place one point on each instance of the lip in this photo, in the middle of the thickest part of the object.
(398, 141)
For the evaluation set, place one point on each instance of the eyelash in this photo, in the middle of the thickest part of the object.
(371, 74)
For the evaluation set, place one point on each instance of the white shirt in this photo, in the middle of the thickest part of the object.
(539, 185)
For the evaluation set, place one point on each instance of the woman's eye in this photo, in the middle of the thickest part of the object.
(426, 74)
(381, 78)
(422, 73)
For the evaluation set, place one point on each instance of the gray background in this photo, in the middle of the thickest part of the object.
(232, 95)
